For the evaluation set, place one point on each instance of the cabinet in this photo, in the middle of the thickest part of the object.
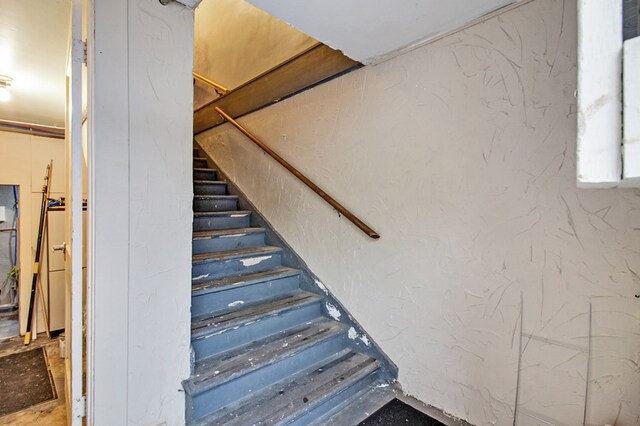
(54, 264)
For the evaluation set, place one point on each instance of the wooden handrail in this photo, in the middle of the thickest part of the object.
(336, 205)
(217, 87)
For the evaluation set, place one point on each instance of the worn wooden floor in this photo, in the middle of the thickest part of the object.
(50, 413)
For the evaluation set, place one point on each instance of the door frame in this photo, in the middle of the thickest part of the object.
(74, 286)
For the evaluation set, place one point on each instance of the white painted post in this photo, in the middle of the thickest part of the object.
(74, 242)
(108, 213)
(599, 157)
(631, 82)
(140, 111)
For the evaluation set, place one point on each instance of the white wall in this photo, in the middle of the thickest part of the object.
(140, 194)
(461, 154)
(23, 161)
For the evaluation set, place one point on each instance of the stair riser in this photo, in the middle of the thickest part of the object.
(207, 271)
(222, 395)
(265, 326)
(209, 223)
(204, 175)
(199, 162)
(196, 153)
(210, 189)
(315, 416)
(220, 300)
(227, 242)
(215, 204)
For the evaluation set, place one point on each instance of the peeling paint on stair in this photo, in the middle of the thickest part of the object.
(322, 286)
(252, 261)
(333, 311)
(352, 333)
(200, 277)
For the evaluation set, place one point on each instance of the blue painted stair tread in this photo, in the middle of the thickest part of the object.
(203, 221)
(221, 332)
(217, 295)
(224, 367)
(199, 162)
(215, 203)
(203, 173)
(209, 187)
(206, 266)
(286, 401)
(243, 280)
(228, 239)
(246, 315)
(265, 350)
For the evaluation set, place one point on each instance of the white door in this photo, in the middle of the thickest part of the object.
(73, 212)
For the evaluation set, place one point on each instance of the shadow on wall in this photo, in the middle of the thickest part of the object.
(235, 42)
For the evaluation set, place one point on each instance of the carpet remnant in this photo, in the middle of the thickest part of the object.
(25, 381)
(397, 413)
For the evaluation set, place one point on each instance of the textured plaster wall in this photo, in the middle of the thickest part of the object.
(461, 154)
(23, 162)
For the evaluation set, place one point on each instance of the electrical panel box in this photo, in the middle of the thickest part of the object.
(3, 214)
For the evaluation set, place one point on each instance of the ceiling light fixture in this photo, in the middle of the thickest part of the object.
(5, 83)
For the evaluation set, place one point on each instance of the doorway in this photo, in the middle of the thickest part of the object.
(9, 270)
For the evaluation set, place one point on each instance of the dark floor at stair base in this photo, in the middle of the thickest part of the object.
(397, 413)
(25, 381)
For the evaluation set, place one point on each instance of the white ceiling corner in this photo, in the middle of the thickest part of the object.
(368, 30)
(33, 52)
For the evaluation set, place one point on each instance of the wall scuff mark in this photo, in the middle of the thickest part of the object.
(462, 155)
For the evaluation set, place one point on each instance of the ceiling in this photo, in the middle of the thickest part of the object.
(33, 39)
(33, 50)
(369, 31)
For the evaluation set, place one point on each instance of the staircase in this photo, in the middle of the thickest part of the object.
(271, 346)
